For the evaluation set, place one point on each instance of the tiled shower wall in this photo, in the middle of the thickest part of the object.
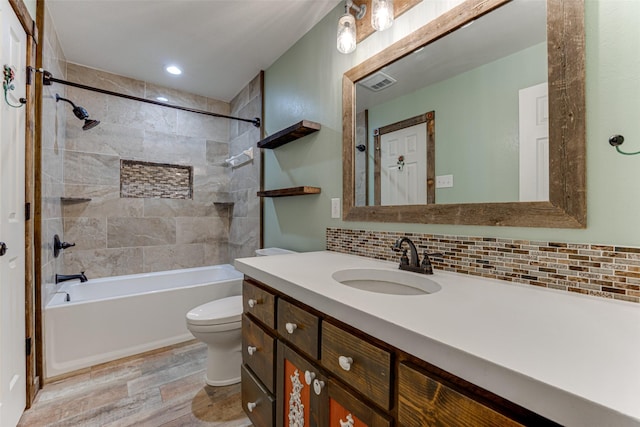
(116, 235)
(244, 233)
(599, 270)
(53, 139)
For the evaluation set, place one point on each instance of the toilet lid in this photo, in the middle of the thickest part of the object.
(217, 312)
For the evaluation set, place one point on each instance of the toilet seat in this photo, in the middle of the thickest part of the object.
(217, 312)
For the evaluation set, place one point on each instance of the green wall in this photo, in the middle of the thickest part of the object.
(482, 155)
(305, 83)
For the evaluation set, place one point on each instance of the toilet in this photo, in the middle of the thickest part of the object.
(218, 324)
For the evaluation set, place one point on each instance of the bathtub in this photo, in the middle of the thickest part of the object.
(120, 316)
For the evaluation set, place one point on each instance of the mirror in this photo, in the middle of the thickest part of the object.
(557, 56)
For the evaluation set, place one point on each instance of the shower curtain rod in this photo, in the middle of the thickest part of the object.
(48, 79)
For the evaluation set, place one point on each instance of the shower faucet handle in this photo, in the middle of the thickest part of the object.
(59, 245)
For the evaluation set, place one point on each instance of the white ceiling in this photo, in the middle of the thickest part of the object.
(219, 44)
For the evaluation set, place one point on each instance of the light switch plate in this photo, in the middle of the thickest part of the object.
(444, 181)
(335, 208)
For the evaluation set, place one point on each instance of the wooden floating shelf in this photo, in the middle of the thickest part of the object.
(289, 134)
(293, 191)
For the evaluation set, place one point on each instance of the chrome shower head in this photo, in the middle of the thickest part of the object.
(80, 113)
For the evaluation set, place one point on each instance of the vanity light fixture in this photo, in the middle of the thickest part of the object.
(381, 14)
(347, 26)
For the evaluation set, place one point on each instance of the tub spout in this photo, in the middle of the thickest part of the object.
(65, 277)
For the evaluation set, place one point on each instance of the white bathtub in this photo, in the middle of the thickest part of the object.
(120, 316)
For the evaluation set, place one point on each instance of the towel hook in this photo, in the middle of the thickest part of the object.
(616, 141)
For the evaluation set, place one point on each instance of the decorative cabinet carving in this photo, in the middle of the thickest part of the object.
(302, 386)
(327, 373)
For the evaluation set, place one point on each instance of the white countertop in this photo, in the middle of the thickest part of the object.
(572, 358)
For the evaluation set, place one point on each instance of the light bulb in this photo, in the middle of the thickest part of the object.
(347, 33)
(381, 14)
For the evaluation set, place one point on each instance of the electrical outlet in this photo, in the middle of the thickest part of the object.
(335, 208)
(444, 181)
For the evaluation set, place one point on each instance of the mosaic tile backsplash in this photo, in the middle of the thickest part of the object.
(155, 180)
(605, 271)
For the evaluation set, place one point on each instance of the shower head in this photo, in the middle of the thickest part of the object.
(90, 124)
(80, 113)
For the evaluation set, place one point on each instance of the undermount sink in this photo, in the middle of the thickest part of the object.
(386, 281)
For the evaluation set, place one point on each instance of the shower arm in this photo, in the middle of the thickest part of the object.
(48, 80)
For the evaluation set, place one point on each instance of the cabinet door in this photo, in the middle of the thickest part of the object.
(347, 410)
(302, 395)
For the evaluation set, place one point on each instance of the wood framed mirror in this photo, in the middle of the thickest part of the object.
(566, 205)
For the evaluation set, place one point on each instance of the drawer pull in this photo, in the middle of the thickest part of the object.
(290, 327)
(251, 406)
(252, 302)
(251, 350)
(345, 362)
(317, 386)
(308, 377)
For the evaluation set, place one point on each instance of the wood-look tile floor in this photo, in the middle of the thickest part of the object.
(161, 388)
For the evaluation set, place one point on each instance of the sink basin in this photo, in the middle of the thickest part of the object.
(385, 281)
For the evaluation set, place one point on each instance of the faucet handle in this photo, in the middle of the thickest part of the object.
(404, 259)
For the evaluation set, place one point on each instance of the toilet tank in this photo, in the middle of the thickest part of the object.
(273, 251)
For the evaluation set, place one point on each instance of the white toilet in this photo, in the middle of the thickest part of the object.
(218, 324)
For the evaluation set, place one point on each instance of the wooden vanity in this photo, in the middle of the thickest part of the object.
(475, 352)
(300, 364)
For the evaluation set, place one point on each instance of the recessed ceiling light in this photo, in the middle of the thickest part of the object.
(173, 70)
(162, 98)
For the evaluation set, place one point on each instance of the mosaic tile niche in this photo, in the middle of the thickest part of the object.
(604, 271)
(155, 180)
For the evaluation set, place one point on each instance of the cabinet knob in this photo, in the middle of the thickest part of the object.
(251, 350)
(317, 386)
(251, 406)
(345, 362)
(290, 327)
(252, 302)
(308, 377)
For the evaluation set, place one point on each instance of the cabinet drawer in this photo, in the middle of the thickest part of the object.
(298, 327)
(260, 303)
(364, 366)
(424, 401)
(257, 402)
(258, 349)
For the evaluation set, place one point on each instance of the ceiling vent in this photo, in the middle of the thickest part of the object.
(378, 81)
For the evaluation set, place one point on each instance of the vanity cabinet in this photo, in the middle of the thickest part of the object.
(328, 373)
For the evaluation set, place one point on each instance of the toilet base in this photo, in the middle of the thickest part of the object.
(221, 383)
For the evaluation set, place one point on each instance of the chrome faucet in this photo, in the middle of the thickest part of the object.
(414, 263)
(64, 277)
